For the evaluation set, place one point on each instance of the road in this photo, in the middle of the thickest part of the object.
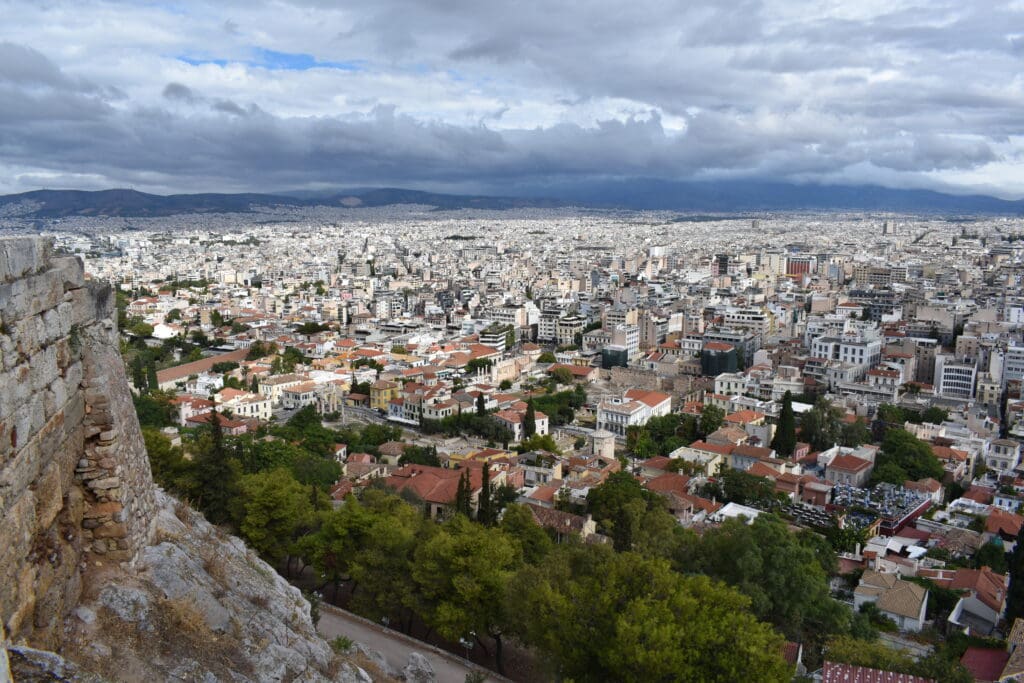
(394, 646)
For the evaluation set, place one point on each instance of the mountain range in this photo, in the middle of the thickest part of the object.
(639, 194)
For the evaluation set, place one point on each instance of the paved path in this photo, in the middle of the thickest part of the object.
(393, 645)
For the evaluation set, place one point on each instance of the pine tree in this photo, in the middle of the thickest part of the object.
(784, 441)
(481, 404)
(529, 421)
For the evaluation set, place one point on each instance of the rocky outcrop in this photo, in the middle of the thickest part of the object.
(103, 572)
(198, 604)
(74, 481)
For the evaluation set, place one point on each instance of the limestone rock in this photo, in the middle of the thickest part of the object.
(29, 665)
(129, 604)
(418, 669)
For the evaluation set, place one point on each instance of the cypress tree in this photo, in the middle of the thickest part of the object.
(1015, 594)
(138, 374)
(217, 475)
(154, 383)
(462, 495)
(784, 441)
(529, 421)
(484, 509)
(481, 404)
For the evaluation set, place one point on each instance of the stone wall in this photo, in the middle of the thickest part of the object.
(75, 485)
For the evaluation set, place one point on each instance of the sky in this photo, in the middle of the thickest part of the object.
(471, 96)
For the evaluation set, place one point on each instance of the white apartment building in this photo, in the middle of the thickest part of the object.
(955, 378)
(635, 408)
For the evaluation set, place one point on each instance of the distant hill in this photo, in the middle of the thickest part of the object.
(706, 197)
(65, 203)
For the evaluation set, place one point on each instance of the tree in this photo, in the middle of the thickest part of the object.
(216, 473)
(736, 486)
(821, 426)
(1015, 594)
(529, 420)
(619, 506)
(169, 466)
(382, 565)
(784, 441)
(518, 523)
(597, 615)
(463, 495)
(139, 373)
(993, 556)
(562, 375)
(547, 357)
(485, 504)
(783, 578)
(505, 385)
(935, 415)
(711, 418)
(903, 456)
(461, 575)
(481, 404)
(275, 509)
(855, 433)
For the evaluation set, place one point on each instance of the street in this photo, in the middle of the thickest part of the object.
(394, 646)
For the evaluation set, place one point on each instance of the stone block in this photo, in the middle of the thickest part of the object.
(49, 496)
(71, 270)
(110, 530)
(21, 256)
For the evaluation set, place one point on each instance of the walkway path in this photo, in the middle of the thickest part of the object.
(394, 646)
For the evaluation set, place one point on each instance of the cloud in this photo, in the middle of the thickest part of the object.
(293, 93)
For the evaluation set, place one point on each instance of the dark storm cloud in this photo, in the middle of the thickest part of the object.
(460, 91)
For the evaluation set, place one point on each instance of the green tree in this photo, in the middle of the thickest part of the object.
(518, 523)
(216, 474)
(903, 456)
(139, 373)
(784, 441)
(821, 426)
(619, 506)
(993, 556)
(562, 375)
(463, 495)
(481, 404)
(461, 575)
(168, 463)
(597, 615)
(485, 504)
(539, 442)
(529, 420)
(854, 434)
(1015, 594)
(935, 415)
(547, 357)
(736, 486)
(275, 509)
(783, 578)
(382, 565)
(711, 418)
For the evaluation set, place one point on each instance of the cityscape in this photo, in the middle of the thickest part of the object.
(462, 342)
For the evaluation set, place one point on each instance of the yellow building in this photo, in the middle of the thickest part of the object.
(381, 393)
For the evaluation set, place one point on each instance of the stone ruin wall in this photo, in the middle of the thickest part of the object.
(75, 484)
